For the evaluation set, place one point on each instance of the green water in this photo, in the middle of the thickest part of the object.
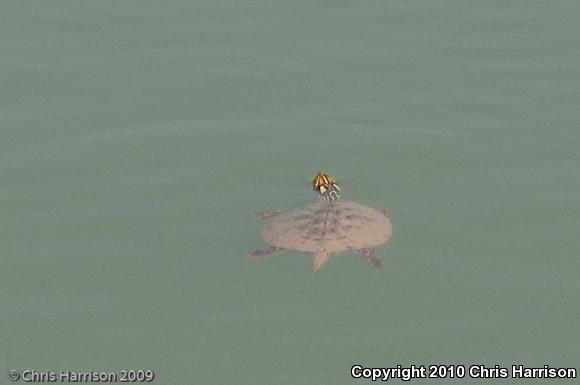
(137, 138)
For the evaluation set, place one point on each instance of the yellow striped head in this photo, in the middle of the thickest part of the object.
(326, 187)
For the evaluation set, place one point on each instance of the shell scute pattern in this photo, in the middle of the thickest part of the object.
(345, 227)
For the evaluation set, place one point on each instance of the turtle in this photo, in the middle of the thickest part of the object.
(331, 226)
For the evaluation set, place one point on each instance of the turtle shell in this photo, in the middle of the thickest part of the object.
(333, 226)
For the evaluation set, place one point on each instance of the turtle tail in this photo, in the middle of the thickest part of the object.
(320, 258)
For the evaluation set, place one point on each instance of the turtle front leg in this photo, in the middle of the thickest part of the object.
(382, 211)
(272, 250)
(265, 215)
(369, 255)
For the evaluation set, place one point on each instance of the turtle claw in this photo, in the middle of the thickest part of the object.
(265, 215)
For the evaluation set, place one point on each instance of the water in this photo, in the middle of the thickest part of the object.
(137, 138)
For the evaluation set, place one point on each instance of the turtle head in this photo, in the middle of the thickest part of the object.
(326, 187)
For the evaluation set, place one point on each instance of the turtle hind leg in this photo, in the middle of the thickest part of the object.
(272, 250)
(369, 255)
(265, 215)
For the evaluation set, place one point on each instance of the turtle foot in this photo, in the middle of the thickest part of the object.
(369, 255)
(256, 254)
(265, 215)
(382, 210)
